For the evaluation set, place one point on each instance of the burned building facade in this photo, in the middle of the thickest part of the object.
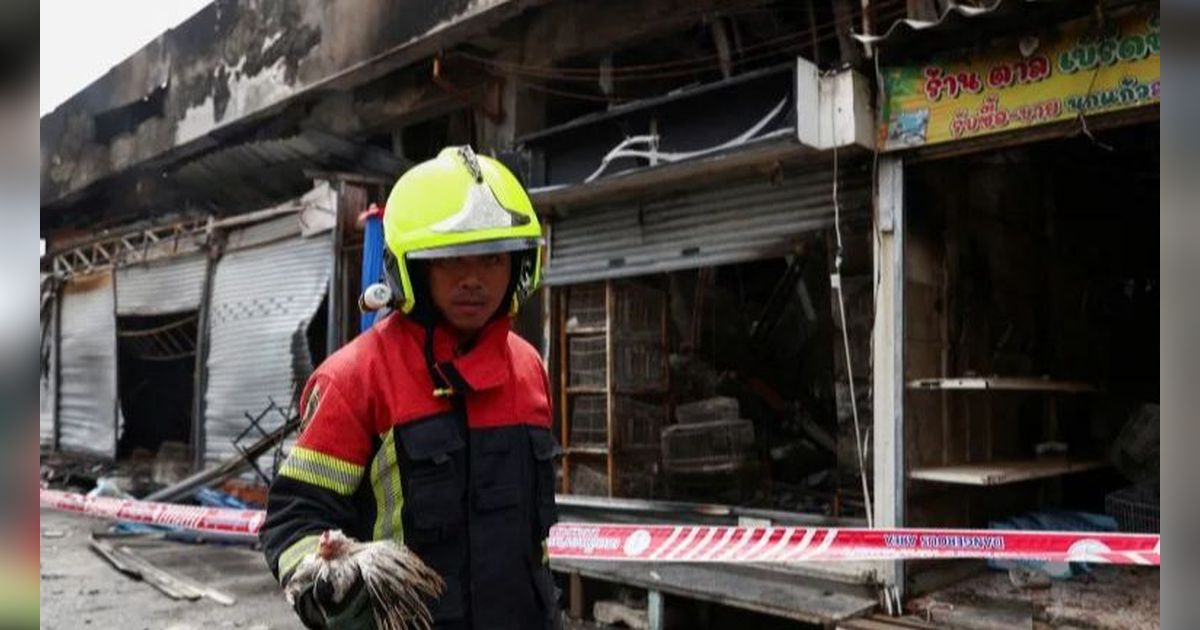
(786, 244)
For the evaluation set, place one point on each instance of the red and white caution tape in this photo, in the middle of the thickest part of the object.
(706, 543)
(209, 520)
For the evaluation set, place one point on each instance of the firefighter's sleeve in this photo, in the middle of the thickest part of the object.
(313, 489)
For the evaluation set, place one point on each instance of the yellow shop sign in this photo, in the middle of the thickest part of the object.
(1087, 68)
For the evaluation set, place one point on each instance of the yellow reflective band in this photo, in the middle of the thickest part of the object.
(295, 553)
(389, 494)
(322, 470)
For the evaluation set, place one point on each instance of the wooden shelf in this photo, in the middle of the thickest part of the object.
(636, 448)
(599, 389)
(617, 450)
(586, 330)
(586, 450)
(1001, 383)
(1005, 472)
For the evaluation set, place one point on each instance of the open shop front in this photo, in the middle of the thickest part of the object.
(699, 376)
(1027, 332)
(696, 352)
(692, 334)
(1031, 341)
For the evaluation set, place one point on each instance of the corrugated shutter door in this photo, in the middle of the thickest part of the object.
(263, 299)
(169, 286)
(46, 416)
(89, 367)
(698, 229)
(46, 377)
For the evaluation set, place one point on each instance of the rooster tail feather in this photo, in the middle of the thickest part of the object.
(398, 583)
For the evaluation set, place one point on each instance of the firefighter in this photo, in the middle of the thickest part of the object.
(433, 426)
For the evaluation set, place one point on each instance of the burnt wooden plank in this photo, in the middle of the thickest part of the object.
(790, 596)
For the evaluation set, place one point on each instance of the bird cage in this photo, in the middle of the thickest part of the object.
(588, 361)
(639, 365)
(636, 365)
(638, 310)
(708, 447)
(639, 424)
(589, 421)
(589, 479)
(585, 307)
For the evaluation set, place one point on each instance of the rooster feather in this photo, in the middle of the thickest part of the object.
(398, 583)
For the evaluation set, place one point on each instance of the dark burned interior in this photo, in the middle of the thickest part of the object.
(156, 363)
(1041, 263)
(725, 386)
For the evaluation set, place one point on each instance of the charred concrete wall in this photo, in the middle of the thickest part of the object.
(229, 62)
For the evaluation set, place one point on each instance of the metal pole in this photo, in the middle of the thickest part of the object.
(888, 387)
(200, 370)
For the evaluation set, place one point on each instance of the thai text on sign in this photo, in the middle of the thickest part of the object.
(1088, 67)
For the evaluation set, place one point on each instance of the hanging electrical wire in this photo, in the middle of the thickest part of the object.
(529, 76)
(781, 45)
(859, 446)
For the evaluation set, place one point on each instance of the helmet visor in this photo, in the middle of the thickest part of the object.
(481, 248)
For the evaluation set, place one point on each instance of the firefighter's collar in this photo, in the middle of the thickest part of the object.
(485, 364)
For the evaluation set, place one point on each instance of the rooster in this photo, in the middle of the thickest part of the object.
(397, 581)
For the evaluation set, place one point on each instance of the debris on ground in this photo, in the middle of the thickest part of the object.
(171, 584)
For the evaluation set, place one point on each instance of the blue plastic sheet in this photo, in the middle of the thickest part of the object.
(1053, 520)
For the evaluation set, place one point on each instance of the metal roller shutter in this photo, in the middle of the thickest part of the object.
(263, 299)
(698, 229)
(89, 367)
(169, 286)
(47, 373)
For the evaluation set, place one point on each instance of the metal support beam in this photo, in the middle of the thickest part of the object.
(888, 377)
(57, 375)
(334, 308)
(116, 367)
(147, 244)
(654, 610)
(200, 371)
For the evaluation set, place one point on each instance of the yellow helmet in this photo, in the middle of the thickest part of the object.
(461, 204)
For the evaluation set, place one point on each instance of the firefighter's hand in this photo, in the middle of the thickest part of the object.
(307, 609)
(353, 612)
(317, 611)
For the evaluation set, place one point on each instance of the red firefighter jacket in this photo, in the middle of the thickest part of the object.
(464, 476)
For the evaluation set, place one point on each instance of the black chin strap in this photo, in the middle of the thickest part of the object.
(447, 382)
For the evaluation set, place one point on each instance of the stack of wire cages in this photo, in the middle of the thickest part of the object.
(708, 447)
(1135, 508)
(589, 421)
(640, 361)
(618, 326)
(639, 356)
